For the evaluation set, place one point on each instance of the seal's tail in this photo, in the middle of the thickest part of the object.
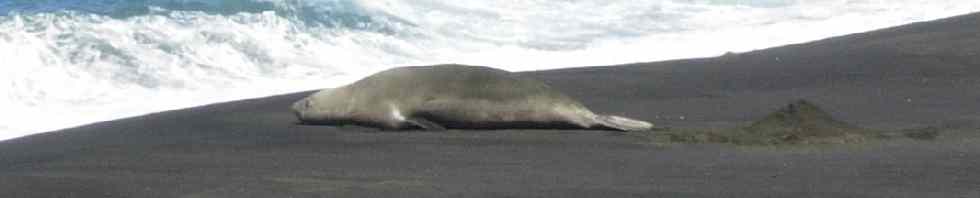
(623, 124)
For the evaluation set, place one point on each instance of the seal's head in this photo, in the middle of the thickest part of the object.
(301, 107)
(323, 107)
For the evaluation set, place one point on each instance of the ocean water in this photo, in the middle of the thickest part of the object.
(65, 63)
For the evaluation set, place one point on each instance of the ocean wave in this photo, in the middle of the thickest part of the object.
(127, 8)
(92, 60)
(324, 13)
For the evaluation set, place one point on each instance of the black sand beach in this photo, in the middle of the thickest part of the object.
(918, 75)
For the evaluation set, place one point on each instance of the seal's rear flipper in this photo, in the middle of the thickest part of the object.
(425, 124)
(623, 124)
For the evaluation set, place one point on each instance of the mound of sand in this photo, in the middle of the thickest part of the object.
(800, 122)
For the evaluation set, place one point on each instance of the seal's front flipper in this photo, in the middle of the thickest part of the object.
(623, 124)
(425, 124)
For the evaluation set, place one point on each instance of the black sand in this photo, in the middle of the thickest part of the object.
(918, 75)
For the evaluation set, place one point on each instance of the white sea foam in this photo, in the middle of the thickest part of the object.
(62, 69)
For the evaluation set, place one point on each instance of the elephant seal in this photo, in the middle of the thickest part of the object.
(453, 96)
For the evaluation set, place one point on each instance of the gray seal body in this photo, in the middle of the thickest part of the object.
(453, 96)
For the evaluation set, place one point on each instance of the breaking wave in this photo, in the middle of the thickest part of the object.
(71, 62)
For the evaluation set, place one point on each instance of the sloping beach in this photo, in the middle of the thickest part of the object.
(918, 75)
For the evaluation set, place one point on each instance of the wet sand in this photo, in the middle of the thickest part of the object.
(918, 75)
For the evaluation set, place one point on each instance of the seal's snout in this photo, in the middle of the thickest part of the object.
(299, 107)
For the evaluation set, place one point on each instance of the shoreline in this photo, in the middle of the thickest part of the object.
(252, 148)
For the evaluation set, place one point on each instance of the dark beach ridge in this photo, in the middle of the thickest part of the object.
(922, 76)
